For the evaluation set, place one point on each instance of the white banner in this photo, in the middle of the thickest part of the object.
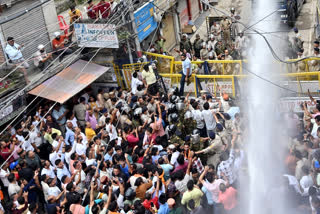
(225, 87)
(294, 103)
(96, 35)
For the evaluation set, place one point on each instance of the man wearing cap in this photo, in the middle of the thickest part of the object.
(300, 66)
(219, 48)
(314, 64)
(58, 44)
(214, 149)
(185, 44)
(216, 30)
(228, 67)
(197, 45)
(204, 52)
(225, 26)
(13, 52)
(212, 42)
(42, 59)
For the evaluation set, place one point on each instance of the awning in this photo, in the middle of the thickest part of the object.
(69, 81)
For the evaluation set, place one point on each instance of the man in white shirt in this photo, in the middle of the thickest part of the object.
(198, 117)
(186, 72)
(135, 82)
(35, 138)
(48, 170)
(13, 51)
(13, 187)
(26, 145)
(81, 147)
(58, 142)
(61, 169)
(4, 173)
(316, 124)
(53, 189)
(209, 118)
(42, 59)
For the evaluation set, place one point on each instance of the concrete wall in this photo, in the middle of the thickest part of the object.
(50, 17)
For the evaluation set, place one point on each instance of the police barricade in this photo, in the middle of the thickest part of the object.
(213, 67)
(301, 82)
(164, 63)
(306, 65)
(294, 83)
(129, 69)
(208, 83)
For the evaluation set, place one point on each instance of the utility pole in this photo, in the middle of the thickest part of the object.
(138, 47)
(128, 44)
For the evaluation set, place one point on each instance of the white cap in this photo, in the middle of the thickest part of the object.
(56, 34)
(40, 47)
(204, 44)
(171, 146)
(211, 36)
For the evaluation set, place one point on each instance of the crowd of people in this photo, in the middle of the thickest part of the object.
(141, 151)
(144, 151)
(119, 152)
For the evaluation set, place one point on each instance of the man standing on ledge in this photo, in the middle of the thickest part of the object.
(186, 72)
(150, 80)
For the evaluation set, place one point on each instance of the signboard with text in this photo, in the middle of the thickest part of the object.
(96, 35)
(145, 21)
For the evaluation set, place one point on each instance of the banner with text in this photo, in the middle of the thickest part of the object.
(96, 35)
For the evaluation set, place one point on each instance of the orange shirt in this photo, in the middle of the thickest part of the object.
(58, 42)
(228, 198)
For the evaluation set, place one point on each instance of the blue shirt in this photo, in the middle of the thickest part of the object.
(108, 157)
(163, 209)
(56, 114)
(166, 168)
(125, 170)
(232, 111)
(185, 65)
(69, 137)
(208, 195)
(97, 201)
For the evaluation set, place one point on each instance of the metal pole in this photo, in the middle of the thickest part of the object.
(138, 47)
(128, 44)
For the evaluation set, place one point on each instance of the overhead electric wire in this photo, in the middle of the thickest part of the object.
(274, 54)
(100, 31)
(56, 101)
(56, 65)
(29, 58)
